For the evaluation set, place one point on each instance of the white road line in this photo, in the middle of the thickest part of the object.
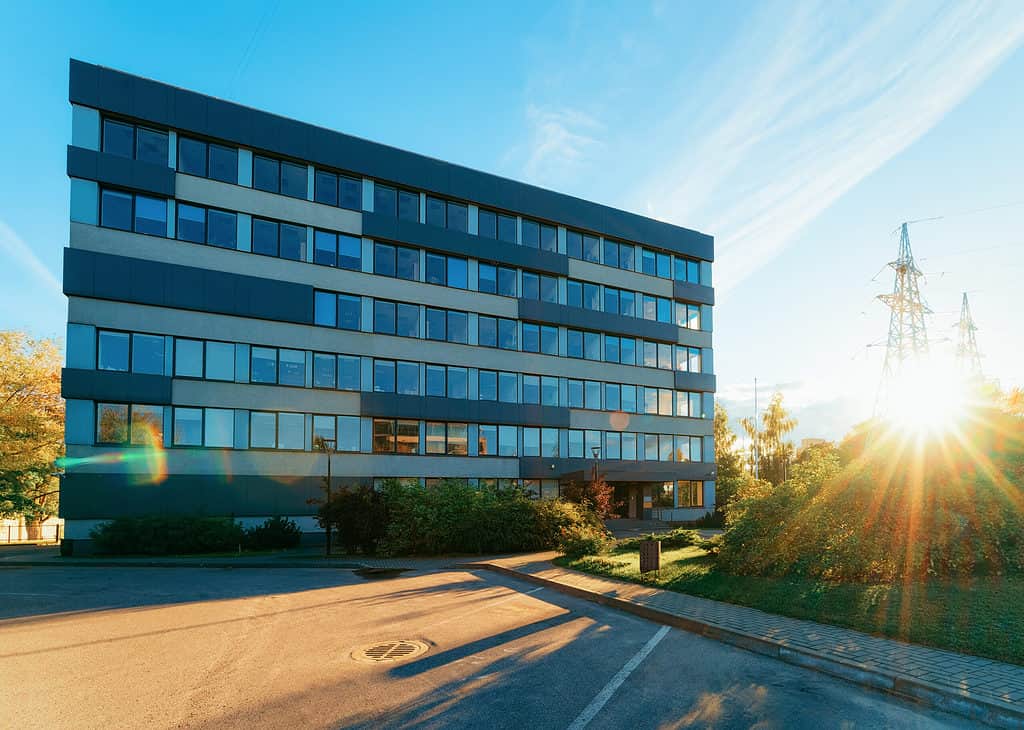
(591, 710)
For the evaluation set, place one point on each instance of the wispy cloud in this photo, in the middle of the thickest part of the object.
(560, 142)
(15, 249)
(822, 107)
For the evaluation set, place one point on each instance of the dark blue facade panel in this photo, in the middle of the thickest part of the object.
(697, 293)
(535, 467)
(124, 279)
(161, 104)
(99, 385)
(534, 310)
(428, 408)
(120, 171)
(703, 382)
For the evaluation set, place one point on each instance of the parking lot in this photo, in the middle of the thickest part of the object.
(187, 647)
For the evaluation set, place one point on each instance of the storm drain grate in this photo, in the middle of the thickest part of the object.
(390, 651)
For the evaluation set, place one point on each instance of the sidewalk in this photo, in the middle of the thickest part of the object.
(981, 689)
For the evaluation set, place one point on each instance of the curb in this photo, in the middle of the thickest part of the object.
(991, 712)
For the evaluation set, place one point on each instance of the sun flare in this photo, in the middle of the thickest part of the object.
(928, 399)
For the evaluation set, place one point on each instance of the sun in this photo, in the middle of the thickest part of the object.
(927, 399)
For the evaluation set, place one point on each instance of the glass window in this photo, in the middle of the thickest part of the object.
(650, 442)
(487, 278)
(325, 309)
(113, 351)
(696, 448)
(549, 289)
(408, 264)
(611, 253)
(111, 423)
(627, 398)
(679, 269)
(488, 440)
(591, 441)
(349, 312)
(574, 244)
(612, 402)
(118, 138)
(266, 174)
(591, 296)
(629, 446)
(385, 200)
(665, 449)
(435, 269)
(531, 389)
(549, 340)
(531, 337)
(350, 192)
(150, 216)
(548, 238)
(151, 146)
(549, 442)
(694, 360)
(664, 310)
(407, 437)
(292, 241)
(294, 180)
(611, 348)
(507, 282)
(690, 493)
(325, 248)
(611, 300)
(458, 273)
(348, 433)
(650, 307)
(627, 303)
(116, 210)
(487, 388)
(292, 367)
(407, 323)
(291, 431)
(220, 428)
(549, 391)
(222, 229)
(664, 402)
(650, 399)
(531, 441)
(192, 157)
(192, 223)
(435, 379)
(458, 383)
(487, 224)
(147, 427)
(693, 316)
(384, 260)
(264, 235)
(487, 331)
(592, 395)
(575, 393)
(349, 377)
(434, 438)
(574, 293)
(325, 188)
(458, 217)
(408, 206)
(264, 365)
(531, 285)
(663, 265)
(350, 252)
(147, 354)
(223, 163)
(650, 354)
(664, 496)
(507, 228)
(626, 256)
(612, 445)
(220, 361)
(647, 264)
(627, 350)
(507, 388)
(693, 272)
(664, 356)
(592, 345)
(436, 324)
(383, 376)
(435, 212)
(323, 432)
(575, 444)
(591, 248)
(574, 343)
(531, 233)
(458, 439)
(188, 427)
(383, 317)
(188, 358)
(407, 378)
(508, 439)
(262, 430)
(696, 411)
(458, 327)
(324, 370)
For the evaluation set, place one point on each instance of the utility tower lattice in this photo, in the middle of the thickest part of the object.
(968, 360)
(908, 339)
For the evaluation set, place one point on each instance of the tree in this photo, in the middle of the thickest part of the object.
(596, 494)
(768, 443)
(729, 466)
(31, 426)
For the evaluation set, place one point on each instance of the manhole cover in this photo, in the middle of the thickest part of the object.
(390, 651)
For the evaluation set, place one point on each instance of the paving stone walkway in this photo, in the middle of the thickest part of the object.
(964, 675)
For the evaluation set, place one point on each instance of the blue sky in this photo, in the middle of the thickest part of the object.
(799, 135)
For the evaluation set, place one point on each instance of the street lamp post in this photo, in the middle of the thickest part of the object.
(596, 451)
(327, 446)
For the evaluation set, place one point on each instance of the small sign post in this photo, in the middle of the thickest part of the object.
(650, 556)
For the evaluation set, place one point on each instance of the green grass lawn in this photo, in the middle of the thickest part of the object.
(982, 616)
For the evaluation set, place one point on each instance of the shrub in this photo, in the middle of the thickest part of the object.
(674, 540)
(579, 540)
(357, 516)
(164, 535)
(275, 533)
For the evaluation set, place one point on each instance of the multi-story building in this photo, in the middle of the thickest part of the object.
(243, 288)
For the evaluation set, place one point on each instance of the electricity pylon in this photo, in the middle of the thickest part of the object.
(968, 360)
(907, 346)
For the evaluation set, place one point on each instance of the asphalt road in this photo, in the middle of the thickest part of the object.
(183, 647)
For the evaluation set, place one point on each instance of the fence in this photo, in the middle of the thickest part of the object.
(20, 532)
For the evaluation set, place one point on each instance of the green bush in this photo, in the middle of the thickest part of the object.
(167, 535)
(276, 533)
(357, 516)
(454, 517)
(579, 540)
(678, 538)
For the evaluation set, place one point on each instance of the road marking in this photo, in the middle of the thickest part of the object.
(591, 710)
